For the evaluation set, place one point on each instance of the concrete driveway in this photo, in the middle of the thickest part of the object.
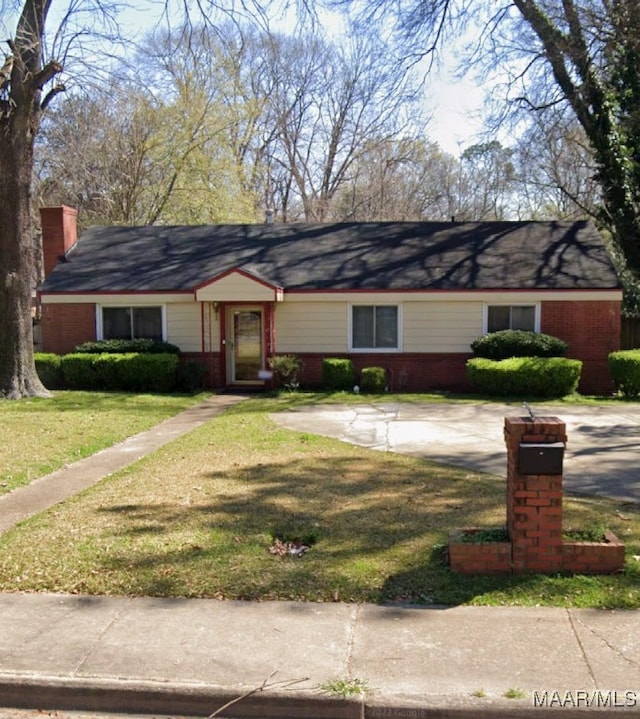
(603, 446)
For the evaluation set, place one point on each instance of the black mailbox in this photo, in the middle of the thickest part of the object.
(541, 458)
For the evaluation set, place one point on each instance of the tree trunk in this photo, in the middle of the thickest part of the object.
(18, 377)
(20, 112)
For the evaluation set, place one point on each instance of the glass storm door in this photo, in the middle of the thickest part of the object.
(246, 345)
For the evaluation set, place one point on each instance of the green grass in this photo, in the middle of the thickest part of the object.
(514, 694)
(345, 688)
(198, 518)
(41, 435)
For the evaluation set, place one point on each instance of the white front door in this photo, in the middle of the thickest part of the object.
(245, 353)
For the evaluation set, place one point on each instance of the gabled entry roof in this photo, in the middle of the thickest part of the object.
(245, 285)
(344, 256)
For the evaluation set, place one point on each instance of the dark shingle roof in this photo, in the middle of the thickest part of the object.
(346, 256)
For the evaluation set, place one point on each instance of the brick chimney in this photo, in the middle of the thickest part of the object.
(59, 234)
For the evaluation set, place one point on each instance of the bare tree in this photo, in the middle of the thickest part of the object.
(92, 152)
(487, 180)
(400, 180)
(25, 90)
(29, 81)
(162, 144)
(581, 55)
(556, 171)
(327, 101)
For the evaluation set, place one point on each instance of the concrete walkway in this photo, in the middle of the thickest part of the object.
(73, 478)
(174, 657)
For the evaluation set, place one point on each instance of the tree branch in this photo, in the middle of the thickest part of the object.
(51, 94)
(265, 686)
(48, 72)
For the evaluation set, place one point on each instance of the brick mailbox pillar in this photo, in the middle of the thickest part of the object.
(534, 543)
(535, 449)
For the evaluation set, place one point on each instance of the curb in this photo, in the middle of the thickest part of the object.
(125, 696)
(134, 697)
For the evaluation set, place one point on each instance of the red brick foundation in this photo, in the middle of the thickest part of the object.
(406, 372)
(534, 519)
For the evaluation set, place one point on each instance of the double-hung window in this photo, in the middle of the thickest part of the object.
(375, 327)
(512, 317)
(129, 323)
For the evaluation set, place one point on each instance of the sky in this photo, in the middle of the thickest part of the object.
(453, 105)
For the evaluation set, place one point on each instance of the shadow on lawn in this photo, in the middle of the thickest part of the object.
(375, 525)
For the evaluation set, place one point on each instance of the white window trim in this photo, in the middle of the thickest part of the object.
(99, 324)
(485, 313)
(373, 350)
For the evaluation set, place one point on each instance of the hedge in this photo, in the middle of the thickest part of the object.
(517, 343)
(525, 376)
(338, 374)
(373, 380)
(133, 372)
(141, 346)
(624, 367)
(49, 369)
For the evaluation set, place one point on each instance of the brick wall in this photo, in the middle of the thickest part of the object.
(406, 372)
(211, 364)
(592, 331)
(65, 326)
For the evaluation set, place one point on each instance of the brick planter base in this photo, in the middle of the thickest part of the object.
(486, 558)
(478, 557)
(594, 557)
(535, 450)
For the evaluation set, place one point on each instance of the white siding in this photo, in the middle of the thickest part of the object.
(311, 327)
(441, 326)
(236, 287)
(427, 326)
(183, 326)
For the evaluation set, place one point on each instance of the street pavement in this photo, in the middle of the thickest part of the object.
(603, 443)
(277, 660)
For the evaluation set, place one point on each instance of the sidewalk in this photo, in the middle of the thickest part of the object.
(191, 656)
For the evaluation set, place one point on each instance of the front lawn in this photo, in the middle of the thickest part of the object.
(41, 435)
(198, 519)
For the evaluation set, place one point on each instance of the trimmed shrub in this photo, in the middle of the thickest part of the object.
(79, 372)
(338, 374)
(517, 343)
(525, 376)
(286, 368)
(140, 346)
(150, 373)
(131, 372)
(625, 371)
(373, 380)
(49, 369)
